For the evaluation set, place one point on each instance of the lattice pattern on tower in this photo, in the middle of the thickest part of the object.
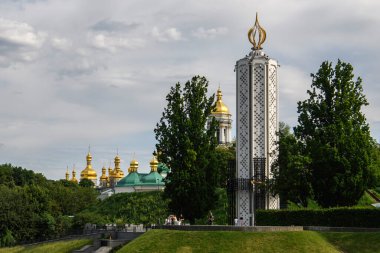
(243, 118)
(259, 182)
(272, 113)
(259, 111)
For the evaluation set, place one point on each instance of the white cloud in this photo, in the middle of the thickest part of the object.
(19, 42)
(203, 33)
(61, 43)
(114, 42)
(170, 34)
(20, 34)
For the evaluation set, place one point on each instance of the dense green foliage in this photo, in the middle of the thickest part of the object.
(220, 211)
(66, 246)
(335, 136)
(291, 173)
(224, 155)
(331, 217)
(34, 208)
(86, 183)
(375, 166)
(126, 208)
(188, 149)
(240, 242)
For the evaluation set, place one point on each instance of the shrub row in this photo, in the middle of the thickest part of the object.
(332, 217)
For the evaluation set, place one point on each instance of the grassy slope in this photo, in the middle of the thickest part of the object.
(54, 247)
(355, 242)
(167, 241)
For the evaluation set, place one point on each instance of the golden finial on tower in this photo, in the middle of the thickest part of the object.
(257, 31)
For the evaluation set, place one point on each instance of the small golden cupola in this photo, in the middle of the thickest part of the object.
(89, 172)
(67, 174)
(110, 172)
(220, 107)
(74, 179)
(104, 177)
(134, 165)
(117, 172)
(153, 164)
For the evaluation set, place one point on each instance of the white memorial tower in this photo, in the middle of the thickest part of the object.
(257, 124)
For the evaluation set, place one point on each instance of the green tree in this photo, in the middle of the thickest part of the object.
(375, 165)
(188, 149)
(336, 135)
(34, 208)
(86, 183)
(291, 173)
(224, 155)
(7, 239)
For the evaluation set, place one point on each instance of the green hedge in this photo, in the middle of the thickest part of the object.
(333, 217)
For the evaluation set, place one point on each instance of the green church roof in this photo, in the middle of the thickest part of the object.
(153, 178)
(131, 179)
(137, 179)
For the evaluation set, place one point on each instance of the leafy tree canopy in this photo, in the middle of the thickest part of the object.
(188, 149)
(86, 183)
(34, 208)
(291, 173)
(335, 135)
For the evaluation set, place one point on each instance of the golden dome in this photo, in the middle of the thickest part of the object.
(153, 164)
(74, 179)
(117, 172)
(88, 172)
(134, 165)
(67, 175)
(220, 107)
(103, 177)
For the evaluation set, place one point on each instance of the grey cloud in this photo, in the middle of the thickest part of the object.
(107, 25)
(18, 42)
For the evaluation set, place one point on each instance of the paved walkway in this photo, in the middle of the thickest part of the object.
(104, 249)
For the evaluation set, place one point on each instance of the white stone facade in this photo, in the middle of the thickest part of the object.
(257, 124)
(224, 128)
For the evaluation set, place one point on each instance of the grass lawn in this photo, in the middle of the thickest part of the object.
(354, 242)
(167, 241)
(66, 246)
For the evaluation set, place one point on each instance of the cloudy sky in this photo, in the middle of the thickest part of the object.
(75, 73)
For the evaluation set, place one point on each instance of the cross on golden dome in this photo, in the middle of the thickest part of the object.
(257, 31)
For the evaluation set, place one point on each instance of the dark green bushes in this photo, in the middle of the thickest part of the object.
(33, 208)
(132, 208)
